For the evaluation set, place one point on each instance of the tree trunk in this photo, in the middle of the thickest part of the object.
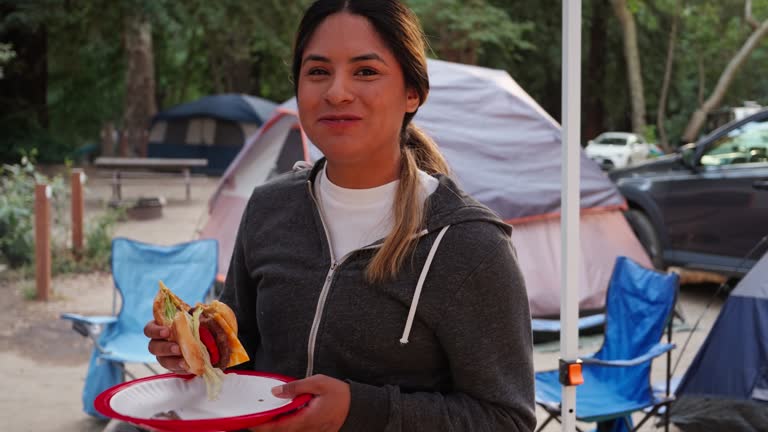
(699, 117)
(140, 103)
(632, 56)
(661, 113)
(594, 83)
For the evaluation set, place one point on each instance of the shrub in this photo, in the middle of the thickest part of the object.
(17, 203)
(17, 241)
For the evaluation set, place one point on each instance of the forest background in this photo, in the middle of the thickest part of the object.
(71, 69)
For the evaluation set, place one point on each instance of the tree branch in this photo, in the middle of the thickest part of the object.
(748, 15)
(700, 116)
(662, 111)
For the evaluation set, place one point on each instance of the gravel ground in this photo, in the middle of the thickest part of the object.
(44, 362)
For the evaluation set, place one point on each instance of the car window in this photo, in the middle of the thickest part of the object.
(612, 141)
(746, 144)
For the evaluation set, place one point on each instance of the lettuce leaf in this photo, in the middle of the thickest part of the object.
(213, 376)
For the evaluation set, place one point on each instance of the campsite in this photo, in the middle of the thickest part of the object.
(296, 167)
(528, 204)
(46, 362)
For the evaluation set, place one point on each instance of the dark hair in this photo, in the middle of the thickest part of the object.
(400, 30)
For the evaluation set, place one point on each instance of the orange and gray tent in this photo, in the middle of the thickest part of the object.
(503, 149)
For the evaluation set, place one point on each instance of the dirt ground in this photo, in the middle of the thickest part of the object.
(43, 362)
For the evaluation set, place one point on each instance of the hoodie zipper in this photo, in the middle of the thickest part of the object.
(326, 286)
(327, 283)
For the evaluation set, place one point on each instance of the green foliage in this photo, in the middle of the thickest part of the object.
(98, 247)
(203, 47)
(28, 288)
(17, 203)
(471, 30)
(17, 230)
(98, 239)
(6, 54)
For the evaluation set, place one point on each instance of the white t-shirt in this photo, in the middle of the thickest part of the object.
(358, 217)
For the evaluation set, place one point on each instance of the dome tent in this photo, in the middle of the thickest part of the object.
(503, 148)
(213, 127)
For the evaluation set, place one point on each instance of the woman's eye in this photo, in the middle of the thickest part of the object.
(317, 71)
(366, 72)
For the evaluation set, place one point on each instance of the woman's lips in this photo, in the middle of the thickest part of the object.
(340, 121)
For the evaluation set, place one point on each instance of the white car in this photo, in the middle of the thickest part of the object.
(617, 149)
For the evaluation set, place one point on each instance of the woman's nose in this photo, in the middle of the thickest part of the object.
(338, 92)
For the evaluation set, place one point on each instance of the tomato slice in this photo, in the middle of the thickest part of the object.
(210, 343)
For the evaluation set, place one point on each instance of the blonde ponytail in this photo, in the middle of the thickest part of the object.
(418, 152)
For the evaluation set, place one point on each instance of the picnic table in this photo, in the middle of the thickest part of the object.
(118, 165)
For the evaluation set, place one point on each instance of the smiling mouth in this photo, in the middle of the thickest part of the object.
(339, 122)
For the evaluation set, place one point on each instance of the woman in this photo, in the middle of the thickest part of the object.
(372, 275)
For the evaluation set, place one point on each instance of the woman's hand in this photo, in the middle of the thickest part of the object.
(168, 353)
(326, 412)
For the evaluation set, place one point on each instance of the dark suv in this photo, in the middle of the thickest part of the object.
(706, 206)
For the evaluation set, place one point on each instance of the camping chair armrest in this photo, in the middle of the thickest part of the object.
(652, 353)
(88, 326)
(553, 325)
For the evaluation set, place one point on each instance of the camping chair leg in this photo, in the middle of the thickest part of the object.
(669, 374)
(628, 423)
(678, 313)
(546, 422)
(642, 422)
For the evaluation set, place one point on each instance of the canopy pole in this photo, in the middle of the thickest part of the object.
(570, 200)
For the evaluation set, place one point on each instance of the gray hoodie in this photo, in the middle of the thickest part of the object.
(461, 362)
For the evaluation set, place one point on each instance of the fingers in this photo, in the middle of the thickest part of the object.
(155, 331)
(164, 348)
(168, 353)
(174, 364)
(316, 384)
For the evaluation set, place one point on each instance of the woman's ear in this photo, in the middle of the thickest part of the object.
(412, 100)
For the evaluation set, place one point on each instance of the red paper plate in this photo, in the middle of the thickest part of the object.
(245, 401)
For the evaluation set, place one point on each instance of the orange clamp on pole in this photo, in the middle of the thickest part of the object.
(43, 241)
(570, 372)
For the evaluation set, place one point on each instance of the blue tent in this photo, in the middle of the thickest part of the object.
(213, 127)
(726, 386)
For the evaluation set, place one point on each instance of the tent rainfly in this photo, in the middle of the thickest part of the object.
(503, 148)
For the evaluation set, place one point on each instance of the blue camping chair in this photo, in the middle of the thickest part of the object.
(639, 305)
(188, 269)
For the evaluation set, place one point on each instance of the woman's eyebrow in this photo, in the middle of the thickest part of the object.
(317, 58)
(360, 58)
(366, 57)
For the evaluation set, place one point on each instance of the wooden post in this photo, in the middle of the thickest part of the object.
(43, 241)
(78, 210)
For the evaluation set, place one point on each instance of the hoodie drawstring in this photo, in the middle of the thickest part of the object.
(419, 285)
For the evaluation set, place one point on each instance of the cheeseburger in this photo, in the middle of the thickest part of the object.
(206, 335)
